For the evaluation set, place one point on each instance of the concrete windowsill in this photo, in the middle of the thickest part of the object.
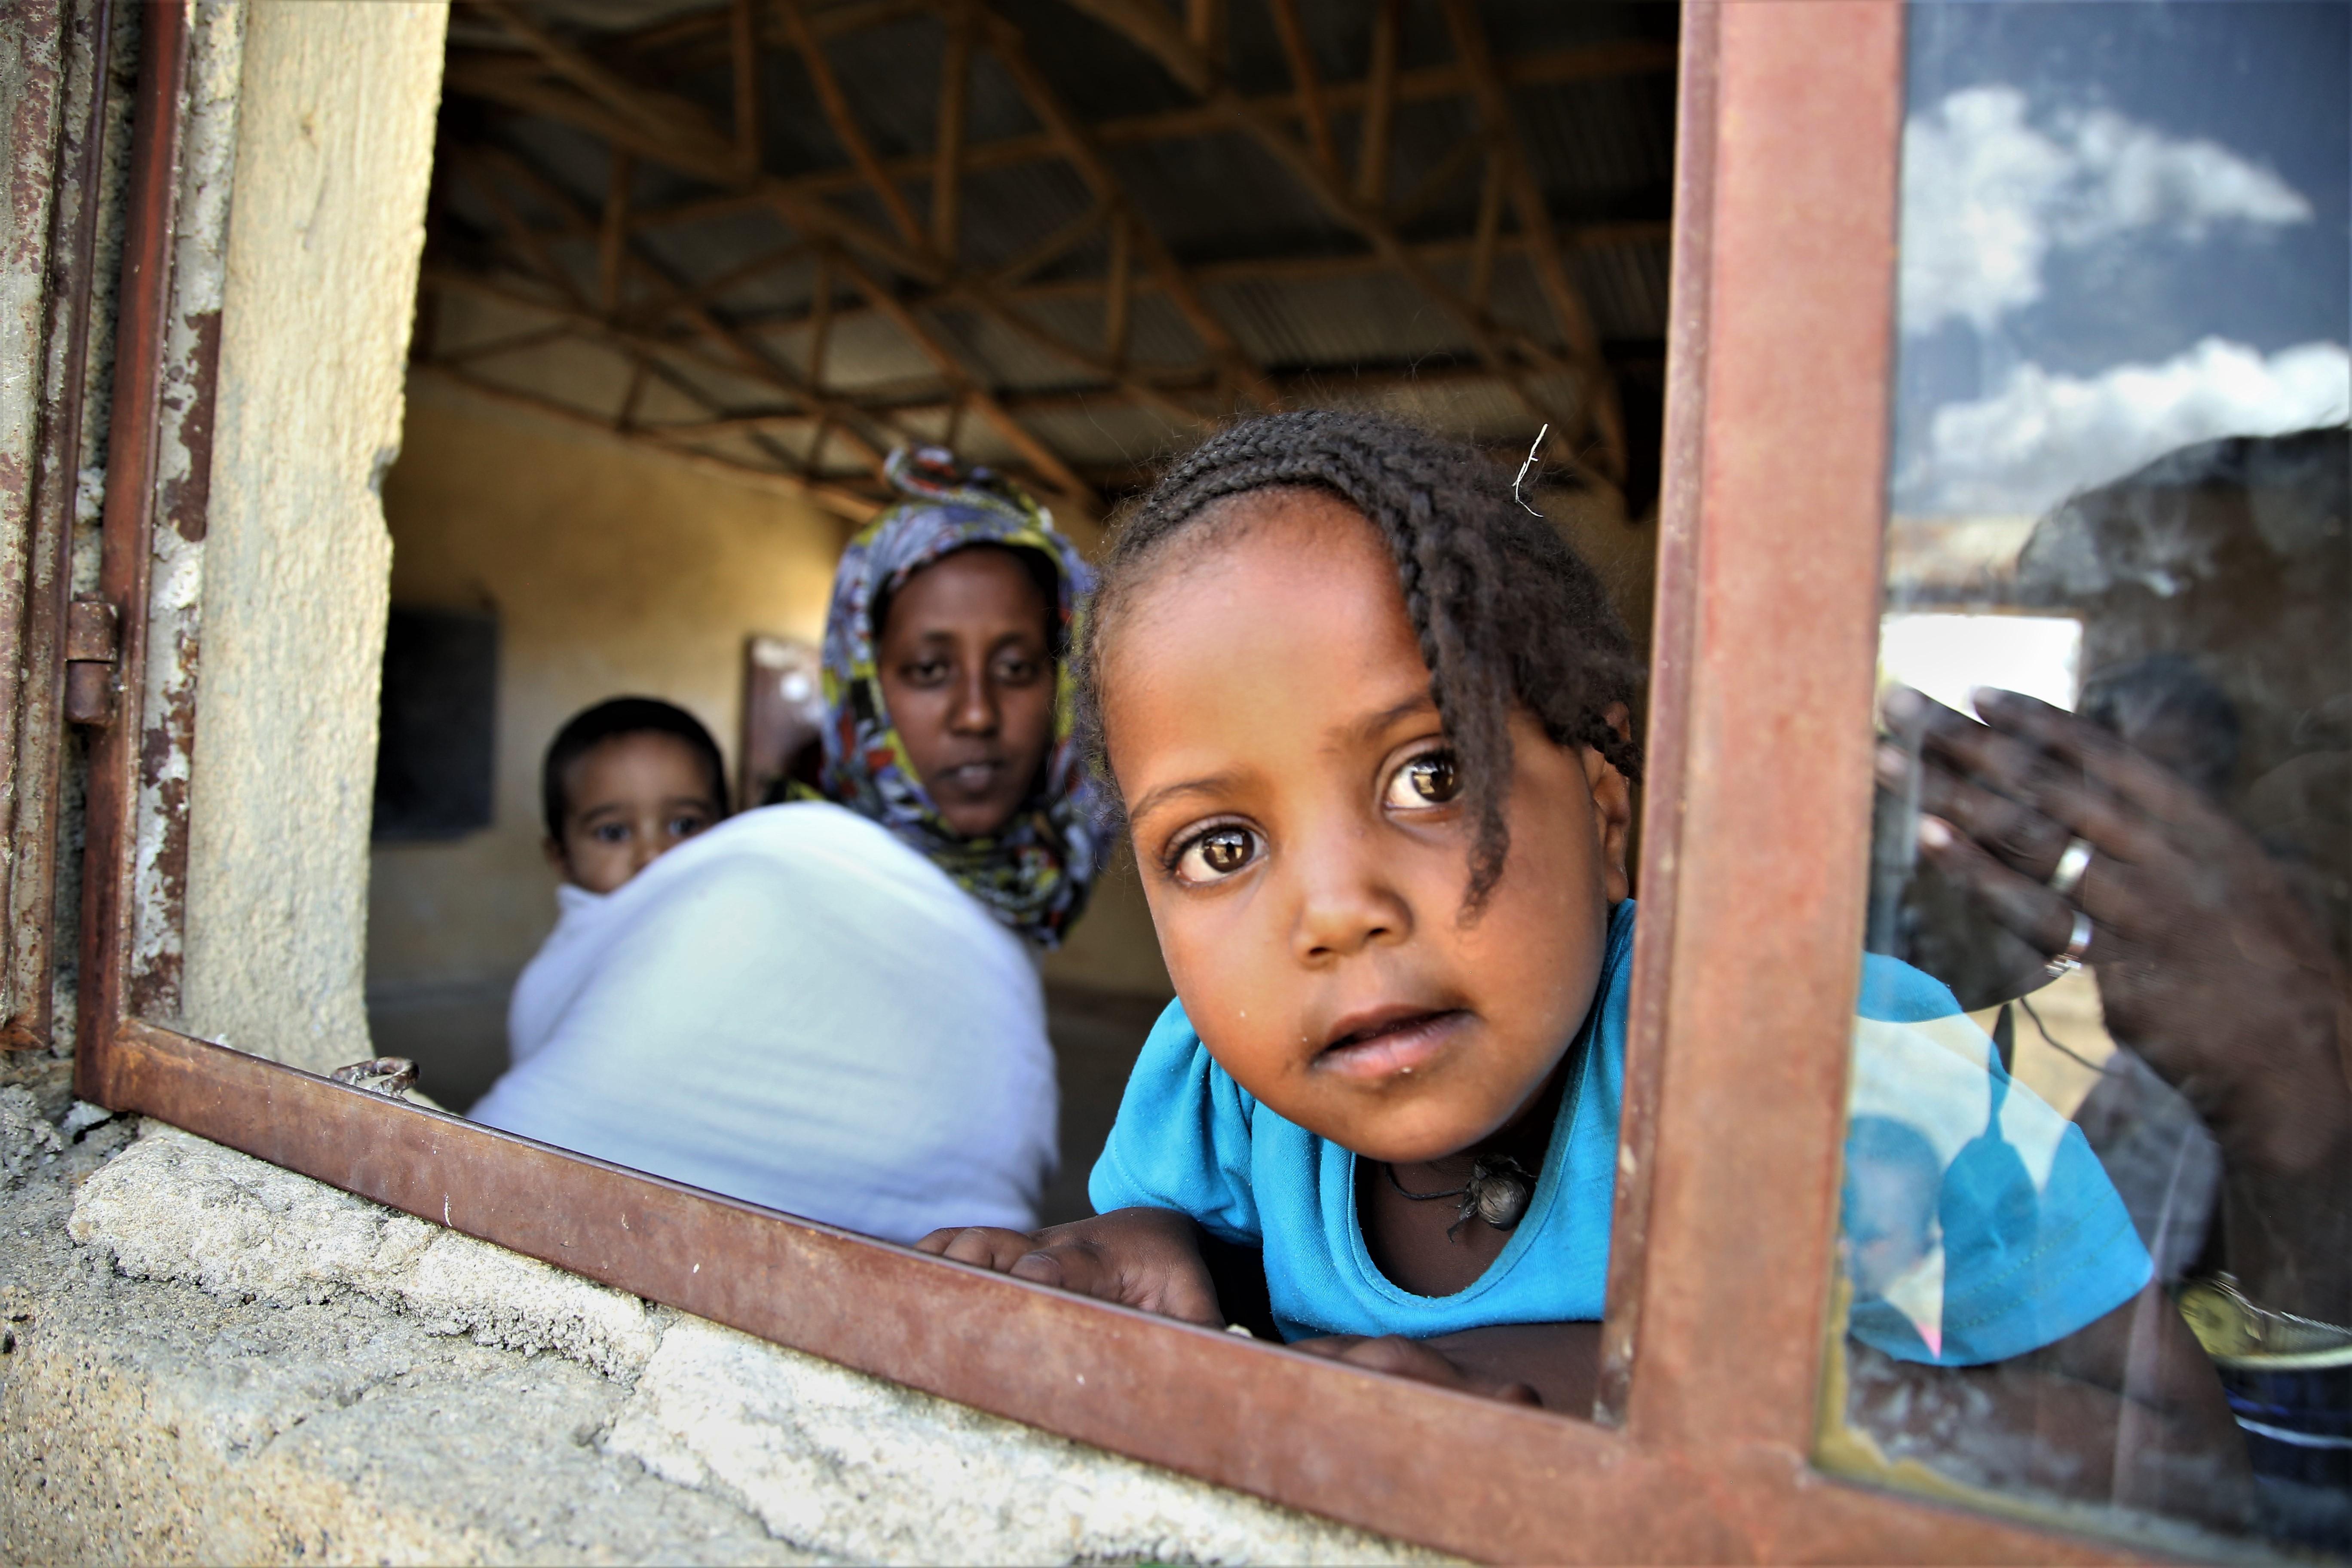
(209, 1358)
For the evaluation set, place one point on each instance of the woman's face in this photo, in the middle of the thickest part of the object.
(967, 671)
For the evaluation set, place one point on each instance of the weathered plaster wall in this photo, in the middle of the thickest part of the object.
(333, 154)
(209, 1358)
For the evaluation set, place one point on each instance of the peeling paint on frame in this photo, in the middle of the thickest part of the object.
(183, 481)
(61, 96)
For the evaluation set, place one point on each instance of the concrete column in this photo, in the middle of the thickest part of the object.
(338, 100)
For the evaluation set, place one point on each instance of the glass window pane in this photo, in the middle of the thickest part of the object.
(2098, 1164)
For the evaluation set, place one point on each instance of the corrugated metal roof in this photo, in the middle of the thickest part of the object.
(1600, 145)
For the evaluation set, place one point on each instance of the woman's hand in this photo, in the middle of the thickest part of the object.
(1147, 1259)
(2209, 963)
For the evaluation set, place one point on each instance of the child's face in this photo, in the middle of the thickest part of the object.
(1268, 717)
(627, 801)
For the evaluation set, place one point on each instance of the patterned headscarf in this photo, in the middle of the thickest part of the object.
(1033, 873)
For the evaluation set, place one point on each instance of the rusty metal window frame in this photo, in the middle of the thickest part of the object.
(1754, 848)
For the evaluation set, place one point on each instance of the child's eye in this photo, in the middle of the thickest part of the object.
(1216, 854)
(686, 827)
(610, 833)
(1427, 780)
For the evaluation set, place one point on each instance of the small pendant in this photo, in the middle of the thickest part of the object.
(1498, 1192)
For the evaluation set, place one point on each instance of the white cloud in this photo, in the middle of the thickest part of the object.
(2042, 437)
(1988, 194)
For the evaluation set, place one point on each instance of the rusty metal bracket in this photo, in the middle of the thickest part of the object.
(93, 649)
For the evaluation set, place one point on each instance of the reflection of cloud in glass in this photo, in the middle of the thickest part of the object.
(1948, 657)
(1988, 194)
(2043, 436)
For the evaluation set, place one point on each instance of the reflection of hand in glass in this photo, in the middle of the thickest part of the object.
(2208, 963)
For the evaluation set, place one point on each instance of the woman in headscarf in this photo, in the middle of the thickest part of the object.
(832, 1006)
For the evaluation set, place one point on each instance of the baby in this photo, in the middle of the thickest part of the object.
(623, 782)
(1369, 723)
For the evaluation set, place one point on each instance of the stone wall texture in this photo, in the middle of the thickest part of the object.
(208, 1359)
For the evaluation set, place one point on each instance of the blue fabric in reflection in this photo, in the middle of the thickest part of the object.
(1979, 1224)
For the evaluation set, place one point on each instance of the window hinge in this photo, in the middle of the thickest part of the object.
(93, 643)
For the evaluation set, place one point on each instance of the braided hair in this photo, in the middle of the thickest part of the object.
(1506, 614)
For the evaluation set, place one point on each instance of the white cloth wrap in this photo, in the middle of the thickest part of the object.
(794, 1009)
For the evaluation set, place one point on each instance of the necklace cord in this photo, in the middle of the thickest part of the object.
(1500, 1171)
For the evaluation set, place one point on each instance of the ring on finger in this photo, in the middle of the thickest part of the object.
(2078, 943)
(2072, 862)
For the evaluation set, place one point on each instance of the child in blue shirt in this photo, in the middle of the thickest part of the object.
(1369, 720)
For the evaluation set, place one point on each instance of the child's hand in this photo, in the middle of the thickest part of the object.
(1416, 1359)
(1149, 1258)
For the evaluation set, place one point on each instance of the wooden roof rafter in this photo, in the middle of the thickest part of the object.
(1141, 21)
(908, 272)
(1426, 84)
(573, 318)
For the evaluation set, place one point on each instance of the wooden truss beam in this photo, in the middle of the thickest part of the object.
(744, 43)
(1589, 62)
(1568, 311)
(1049, 464)
(946, 156)
(1078, 146)
(1183, 62)
(930, 401)
(1149, 24)
(699, 151)
(603, 92)
(1380, 104)
(693, 38)
(1306, 81)
(647, 356)
(629, 106)
(741, 356)
(845, 130)
(842, 500)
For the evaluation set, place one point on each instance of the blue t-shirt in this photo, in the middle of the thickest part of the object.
(1979, 1222)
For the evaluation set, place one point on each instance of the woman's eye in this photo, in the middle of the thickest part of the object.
(1427, 780)
(1018, 671)
(930, 673)
(1216, 854)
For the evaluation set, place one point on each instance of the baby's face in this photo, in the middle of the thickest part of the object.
(1300, 841)
(628, 800)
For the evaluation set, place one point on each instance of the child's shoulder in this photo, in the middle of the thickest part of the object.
(1189, 1138)
(1174, 1062)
